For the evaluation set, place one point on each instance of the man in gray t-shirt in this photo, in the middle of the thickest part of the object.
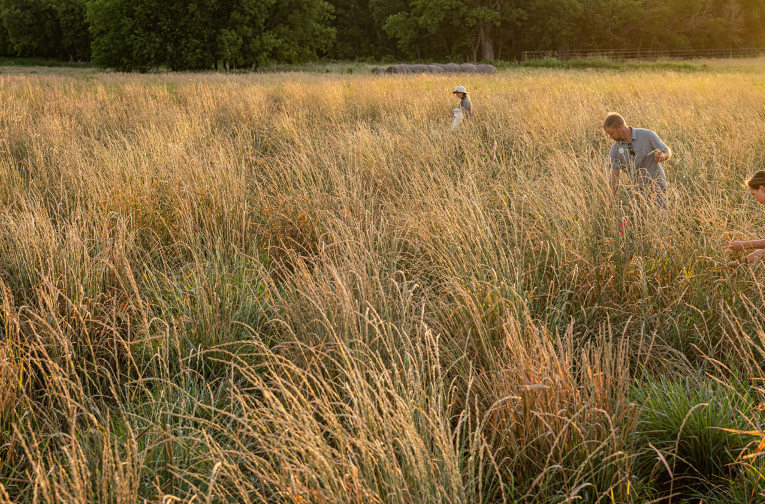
(640, 153)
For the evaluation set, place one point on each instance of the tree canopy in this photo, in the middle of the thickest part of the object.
(489, 29)
(207, 34)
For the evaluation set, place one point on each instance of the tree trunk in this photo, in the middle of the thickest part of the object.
(487, 43)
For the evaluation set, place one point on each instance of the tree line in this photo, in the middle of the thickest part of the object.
(206, 34)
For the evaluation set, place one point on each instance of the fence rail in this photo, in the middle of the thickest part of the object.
(640, 54)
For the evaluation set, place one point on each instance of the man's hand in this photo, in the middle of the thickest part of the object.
(734, 245)
(755, 256)
(661, 156)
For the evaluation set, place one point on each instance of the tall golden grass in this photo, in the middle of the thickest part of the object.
(301, 288)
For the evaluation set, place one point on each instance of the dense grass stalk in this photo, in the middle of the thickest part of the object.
(301, 288)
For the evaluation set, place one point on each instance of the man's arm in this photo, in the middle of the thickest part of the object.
(614, 181)
(662, 152)
(743, 245)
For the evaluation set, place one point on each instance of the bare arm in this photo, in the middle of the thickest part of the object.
(743, 245)
(614, 181)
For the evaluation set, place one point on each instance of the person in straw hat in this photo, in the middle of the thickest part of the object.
(465, 108)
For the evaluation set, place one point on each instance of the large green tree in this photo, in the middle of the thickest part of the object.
(72, 20)
(47, 28)
(418, 26)
(484, 29)
(754, 22)
(203, 34)
(295, 30)
(32, 26)
(456, 28)
(206, 34)
(126, 34)
(577, 24)
(358, 33)
(488, 21)
(691, 24)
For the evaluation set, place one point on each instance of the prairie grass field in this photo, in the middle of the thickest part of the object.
(301, 288)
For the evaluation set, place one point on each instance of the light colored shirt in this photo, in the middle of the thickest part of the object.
(636, 157)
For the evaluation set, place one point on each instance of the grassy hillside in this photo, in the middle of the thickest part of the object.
(306, 289)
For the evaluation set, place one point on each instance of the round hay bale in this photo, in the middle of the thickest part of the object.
(396, 69)
(418, 68)
(486, 69)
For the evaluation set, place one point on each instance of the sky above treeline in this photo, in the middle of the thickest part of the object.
(205, 34)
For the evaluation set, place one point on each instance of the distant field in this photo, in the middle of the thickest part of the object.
(305, 288)
(16, 66)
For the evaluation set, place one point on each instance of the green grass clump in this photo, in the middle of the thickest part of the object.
(685, 433)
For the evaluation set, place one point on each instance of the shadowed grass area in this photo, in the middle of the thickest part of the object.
(305, 288)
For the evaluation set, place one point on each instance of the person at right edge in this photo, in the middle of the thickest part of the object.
(639, 152)
(756, 186)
